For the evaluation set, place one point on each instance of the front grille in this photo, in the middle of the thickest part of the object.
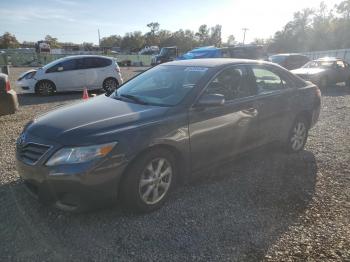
(31, 152)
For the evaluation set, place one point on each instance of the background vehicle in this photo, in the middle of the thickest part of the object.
(42, 47)
(8, 97)
(289, 61)
(72, 73)
(166, 54)
(160, 127)
(325, 71)
(243, 52)
(149, 50)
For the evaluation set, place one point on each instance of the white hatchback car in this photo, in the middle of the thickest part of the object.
(72, 73)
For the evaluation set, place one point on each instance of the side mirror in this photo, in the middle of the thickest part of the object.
(60, 69)
(209, 100)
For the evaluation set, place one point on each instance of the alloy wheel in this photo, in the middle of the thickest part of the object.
(46, 88)
(110, 85)
(155, 181)
(298, 137)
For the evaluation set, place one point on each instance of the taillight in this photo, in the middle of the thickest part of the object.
(117, 69)
(8, 86)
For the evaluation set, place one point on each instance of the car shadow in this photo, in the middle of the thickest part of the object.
(235, 212)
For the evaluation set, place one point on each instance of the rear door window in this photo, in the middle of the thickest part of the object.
(268, 81)
(96, 62)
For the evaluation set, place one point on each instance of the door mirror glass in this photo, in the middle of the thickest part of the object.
(208, 100)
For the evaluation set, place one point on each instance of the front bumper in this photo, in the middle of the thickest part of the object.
(26, 86)
(73, 187)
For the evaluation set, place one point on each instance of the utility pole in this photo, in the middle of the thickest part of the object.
(244, 30)
(99, 38)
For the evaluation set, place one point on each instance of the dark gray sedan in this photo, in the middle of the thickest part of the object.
(325, 72)
(164, 126)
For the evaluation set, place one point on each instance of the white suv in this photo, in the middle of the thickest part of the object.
(72, 73)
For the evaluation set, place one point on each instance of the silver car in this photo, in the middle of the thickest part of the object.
(325, 71)
(72, 73)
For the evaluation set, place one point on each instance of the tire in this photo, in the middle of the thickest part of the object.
(45, 88)
(298, 134)
(148, 181)
(110, 85)
(348, 83)
(324, 83)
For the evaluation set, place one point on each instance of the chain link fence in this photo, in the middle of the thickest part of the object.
(34, 59)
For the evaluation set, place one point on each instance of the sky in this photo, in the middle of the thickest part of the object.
(78, 20)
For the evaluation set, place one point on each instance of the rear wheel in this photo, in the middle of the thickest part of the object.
(45, 88)
(110, 85)
(298, 135)
(148, 181)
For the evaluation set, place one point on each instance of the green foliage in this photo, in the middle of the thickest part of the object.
(314, 30)
(111, 41)
(8, 41)
(53, 42)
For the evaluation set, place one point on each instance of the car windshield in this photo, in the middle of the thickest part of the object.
(161, 85)
(166, 51)
(53, 63)
(318, 64)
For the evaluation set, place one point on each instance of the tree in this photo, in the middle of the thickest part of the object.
(203, 35)
(8, 40)
(215, 36)
(133, 41)
(111, 41)
(231, 40)
(53, 42)
(344, 9)
(154, 27)
(151, 37)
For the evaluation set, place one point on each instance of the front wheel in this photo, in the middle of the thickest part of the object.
(110, 85)
(45, 88)
(298, 135)
(323, 83)
(148, 181)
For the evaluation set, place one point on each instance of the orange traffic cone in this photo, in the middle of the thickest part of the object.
(85, 94)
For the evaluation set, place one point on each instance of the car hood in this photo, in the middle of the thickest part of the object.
(97, 120)
(308, 71)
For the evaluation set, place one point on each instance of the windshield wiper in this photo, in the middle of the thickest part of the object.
(134, 98)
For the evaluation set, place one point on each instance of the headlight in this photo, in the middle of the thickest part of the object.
(30, 75)
(75, 155)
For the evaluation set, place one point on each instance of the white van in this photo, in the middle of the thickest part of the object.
(72, 73)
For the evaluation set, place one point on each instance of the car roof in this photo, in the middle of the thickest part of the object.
(83, 56)
(215, 62)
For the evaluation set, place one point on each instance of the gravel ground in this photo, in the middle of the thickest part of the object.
(265, 205)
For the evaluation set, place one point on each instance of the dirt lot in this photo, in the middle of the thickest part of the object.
(266, 205)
